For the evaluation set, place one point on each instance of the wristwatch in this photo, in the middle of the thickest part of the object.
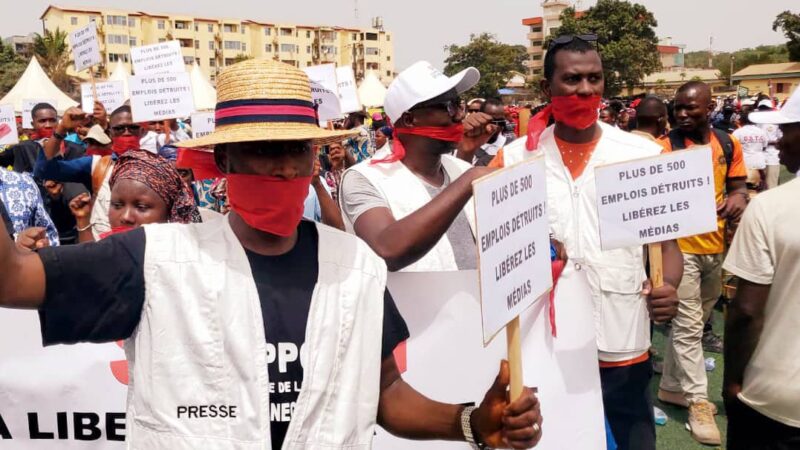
(466, 428)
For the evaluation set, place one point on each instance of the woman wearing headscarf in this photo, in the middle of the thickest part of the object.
(145, 188)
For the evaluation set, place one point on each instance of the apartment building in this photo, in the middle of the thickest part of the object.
(214, 43)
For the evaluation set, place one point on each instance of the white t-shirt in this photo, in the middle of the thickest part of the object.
(754, 143)
(773, 134)
(766, 250)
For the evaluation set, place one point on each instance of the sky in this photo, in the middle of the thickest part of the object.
(422, 28)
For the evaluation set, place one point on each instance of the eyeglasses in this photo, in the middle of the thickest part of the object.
(132, 129)
(567, 38)
(453, 107)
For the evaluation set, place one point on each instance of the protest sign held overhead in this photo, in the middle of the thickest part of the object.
(8, 125)
(348, 93)
(27, 107)
(161, 96)
(324, 91)
(157, 58)
(202, 124)
(85, 48)
(656, 199)
(513, 242)
(110, 93)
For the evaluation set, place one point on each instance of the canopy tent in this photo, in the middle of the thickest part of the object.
(34, 84)
(120, 73)
(205, 96)
(371, 92)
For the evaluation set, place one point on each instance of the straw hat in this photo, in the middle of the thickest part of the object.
(265, 100)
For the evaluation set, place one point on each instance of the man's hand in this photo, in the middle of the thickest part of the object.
(53, 188)
(499, 424)
(662, 302)
(81, 206)
(478, 129)
(73, 118)
(733, 206)
(33, 238)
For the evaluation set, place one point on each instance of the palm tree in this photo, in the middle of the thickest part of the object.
(53, 54)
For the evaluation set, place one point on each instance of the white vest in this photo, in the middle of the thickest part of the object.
(405, 193)
(201, 342)
(615, 276)
(102, 203)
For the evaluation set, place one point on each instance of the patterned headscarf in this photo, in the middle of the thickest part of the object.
(160, 176)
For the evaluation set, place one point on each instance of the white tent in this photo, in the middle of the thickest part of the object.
(205, 96)
(34, 84)
(371, 92)
(120, 73)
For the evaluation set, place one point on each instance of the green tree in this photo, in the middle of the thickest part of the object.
(493, 59)
(53, 54)
(790, 24)
(11, 68)
(626, 40)
(763, 54)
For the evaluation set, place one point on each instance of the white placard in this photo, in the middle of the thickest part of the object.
(513, 242)
(85, 48)
(324, 91)
(161, 96)
(27, 107)
(164, 57)
(656, 199)
(110, 93)
(348, 91)
(202, 124)
(8, 125)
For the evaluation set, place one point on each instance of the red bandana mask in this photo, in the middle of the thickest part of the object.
(575, 111)
(452, 133)
(121, 144)
(269, 204)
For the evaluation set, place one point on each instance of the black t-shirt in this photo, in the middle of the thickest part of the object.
(113, 270)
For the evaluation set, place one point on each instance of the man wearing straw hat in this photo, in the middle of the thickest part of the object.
(255, 330)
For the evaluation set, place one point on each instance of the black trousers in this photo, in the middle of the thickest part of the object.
(750, 430)
(629, 406)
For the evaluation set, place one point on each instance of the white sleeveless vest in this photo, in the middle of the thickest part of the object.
(201, 343)
(102, 203)
(405, 194)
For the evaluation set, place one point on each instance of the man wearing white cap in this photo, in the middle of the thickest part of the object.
(773, 170)
(762, 351)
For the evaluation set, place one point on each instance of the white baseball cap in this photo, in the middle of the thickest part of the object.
(790, 113)
(422, 82)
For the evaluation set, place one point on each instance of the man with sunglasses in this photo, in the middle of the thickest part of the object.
(92, 171)
(620, 292)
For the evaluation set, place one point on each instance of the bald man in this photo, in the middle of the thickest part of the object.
(684, 382)
(651, 118)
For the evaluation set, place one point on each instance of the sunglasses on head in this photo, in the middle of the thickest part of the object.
(133, 129)
(567, 38)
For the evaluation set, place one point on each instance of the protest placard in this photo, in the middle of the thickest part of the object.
(656, 199)
(164, 57)
(514, 251)
(110, 93)
(324, 91)
(27, 107)
(348, 92)
(202, 124)
(161, 96)
(8, 125)
(85, 48)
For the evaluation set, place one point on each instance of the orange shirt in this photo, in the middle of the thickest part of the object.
(714, 242)
(574, 156)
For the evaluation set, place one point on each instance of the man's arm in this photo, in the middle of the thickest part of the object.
(403, 242)
(22, 279)
(406, 413)
(742, 330)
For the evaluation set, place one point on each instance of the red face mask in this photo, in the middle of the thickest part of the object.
(121, 144)
(270, 204)
(576, 111)
(452, 133)
(44, 133)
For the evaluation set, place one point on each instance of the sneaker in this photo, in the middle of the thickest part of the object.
(712, 343)
(678, 399)
(701, 423)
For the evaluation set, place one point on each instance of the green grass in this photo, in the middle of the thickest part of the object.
(674, 435)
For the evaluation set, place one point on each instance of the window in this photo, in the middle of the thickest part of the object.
(120, 39)
(233, 45)
(211, 45)
(373, 50)
(132, 42)
(244, 47)
(212, 62)
(267, 31)
(161, 24)
(131, 22)
(181, 25)
(114, 57)
(290, 48)
(196, 44)
(308, 49)
(372, 36)
(73, 20)
(188, 60)
(268, 48)
(116, 20)
(210, 28)
(286, 31)
(308, 34)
